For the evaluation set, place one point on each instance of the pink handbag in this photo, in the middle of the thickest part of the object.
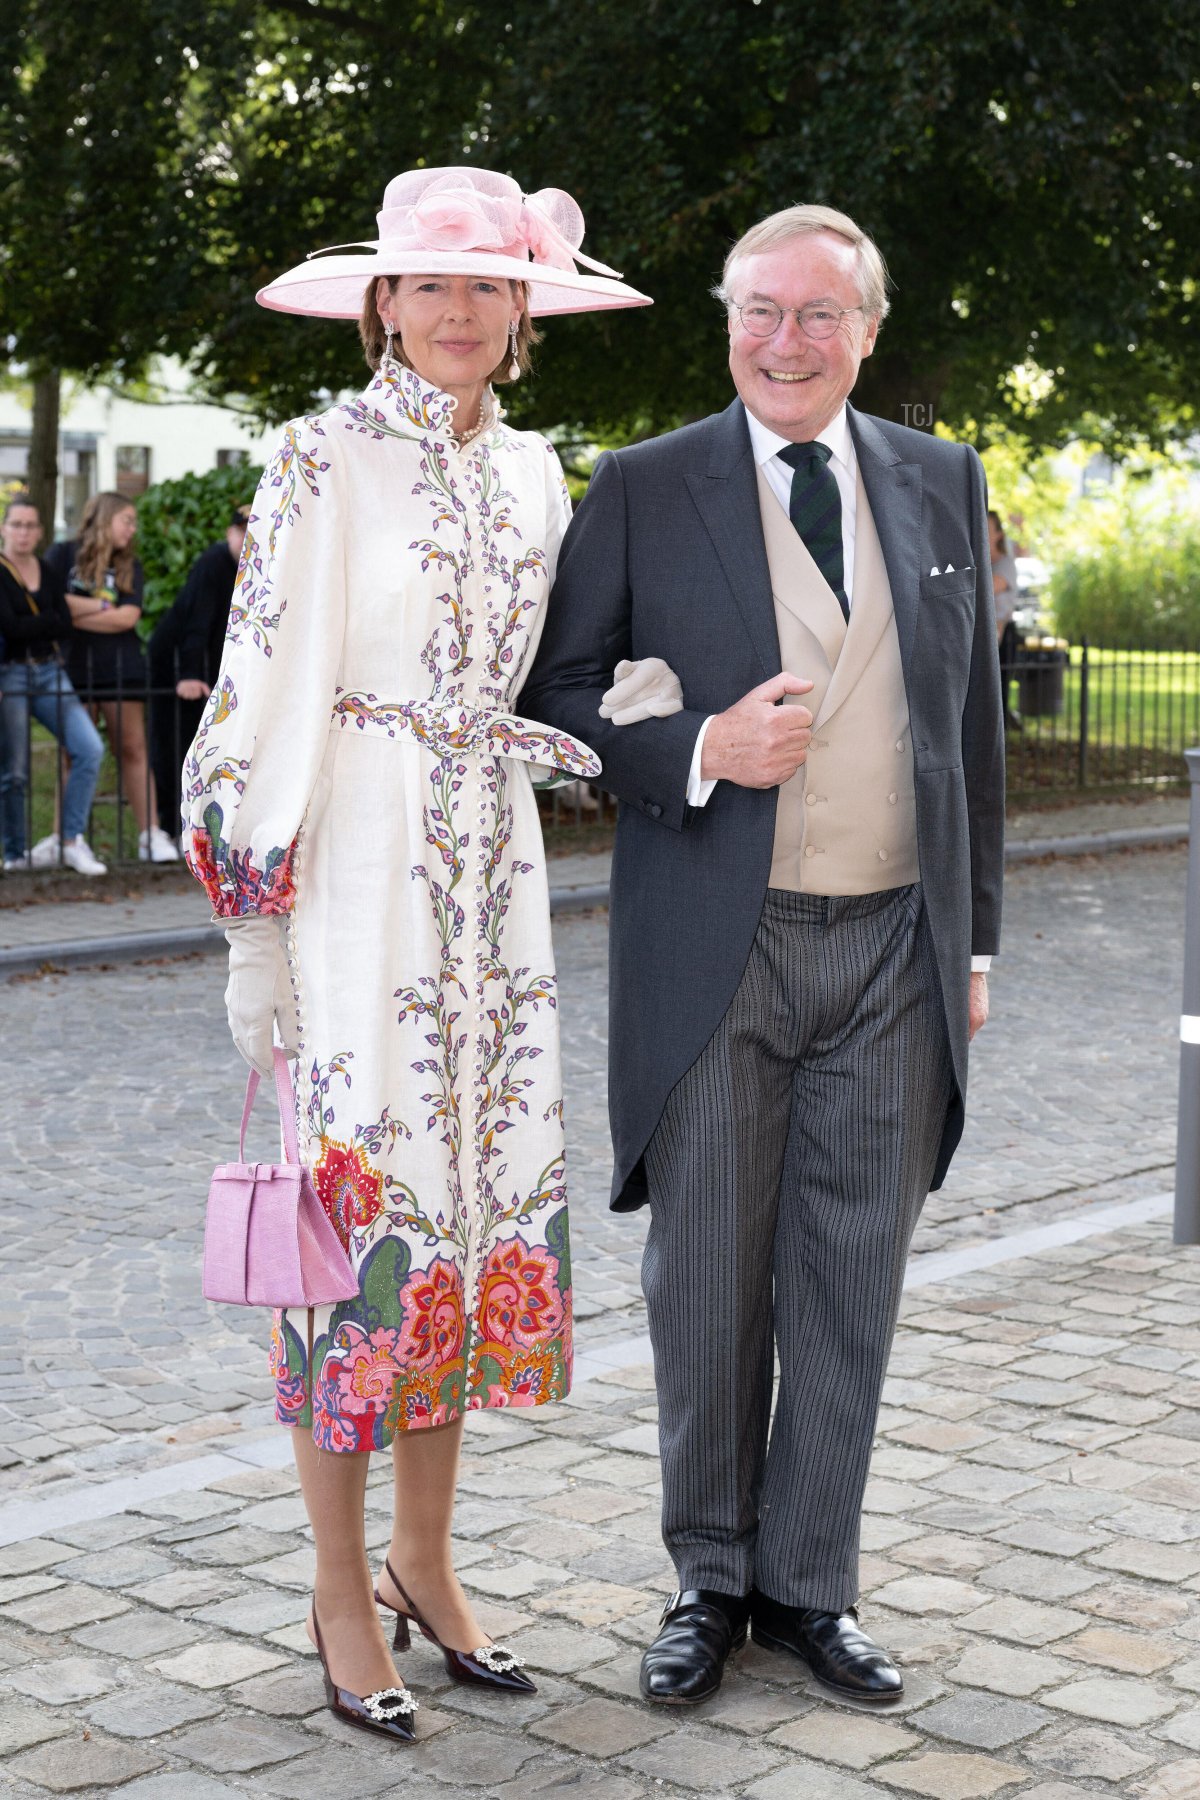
(268, 1241)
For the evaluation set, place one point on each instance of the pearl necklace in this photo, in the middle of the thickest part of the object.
(476, 428)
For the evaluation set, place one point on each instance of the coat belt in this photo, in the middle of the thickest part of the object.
(449, 730)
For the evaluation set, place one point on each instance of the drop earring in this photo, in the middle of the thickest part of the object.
(514, 367)
(387, 362)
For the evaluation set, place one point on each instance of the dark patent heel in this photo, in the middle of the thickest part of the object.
(491, 1666)
(388, 1712)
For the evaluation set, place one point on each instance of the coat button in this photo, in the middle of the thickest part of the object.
(654, 810)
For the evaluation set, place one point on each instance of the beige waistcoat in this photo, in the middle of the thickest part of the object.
(847, 821)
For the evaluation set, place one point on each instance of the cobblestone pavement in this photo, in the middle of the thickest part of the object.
(1033, 1521)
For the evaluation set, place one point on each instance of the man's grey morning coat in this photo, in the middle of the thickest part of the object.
(666, 557)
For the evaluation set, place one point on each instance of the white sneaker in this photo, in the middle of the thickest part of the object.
(155, 846)
(24, 861)
(44, 854)
(79, 855)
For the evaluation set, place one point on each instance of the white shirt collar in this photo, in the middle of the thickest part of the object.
(766, 443)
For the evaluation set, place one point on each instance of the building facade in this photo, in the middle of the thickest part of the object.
(109, 441)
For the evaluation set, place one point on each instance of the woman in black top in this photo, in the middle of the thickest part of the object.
(103, 580)
(35, 625)
(185, 657)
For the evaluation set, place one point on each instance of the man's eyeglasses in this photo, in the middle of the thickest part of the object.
(762, 318)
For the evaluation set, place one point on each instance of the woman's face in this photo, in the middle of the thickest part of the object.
(454, 328)
(123, 528)
(22, 531)
(994, 533)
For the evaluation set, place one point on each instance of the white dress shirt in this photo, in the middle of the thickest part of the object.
(765, 446)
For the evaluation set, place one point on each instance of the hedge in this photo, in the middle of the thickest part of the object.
(179, 519)
(1134, 582)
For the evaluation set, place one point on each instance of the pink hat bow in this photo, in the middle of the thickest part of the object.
(547, 225)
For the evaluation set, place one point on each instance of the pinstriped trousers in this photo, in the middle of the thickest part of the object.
(786, 1176)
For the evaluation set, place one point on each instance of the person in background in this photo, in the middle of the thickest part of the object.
(1004, 588)
(103, 579)
(35, 625)
(184, 653)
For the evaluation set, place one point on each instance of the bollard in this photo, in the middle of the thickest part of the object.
(1187, 1153)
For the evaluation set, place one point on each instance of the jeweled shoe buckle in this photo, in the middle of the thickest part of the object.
(387, 1704)
(499, 1659)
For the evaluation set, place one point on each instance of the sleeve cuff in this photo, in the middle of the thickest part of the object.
(980, 965)
(698, 791)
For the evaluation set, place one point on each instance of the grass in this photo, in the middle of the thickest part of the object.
(1143, 711)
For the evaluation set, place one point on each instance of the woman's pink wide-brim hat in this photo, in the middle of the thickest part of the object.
(460, 222)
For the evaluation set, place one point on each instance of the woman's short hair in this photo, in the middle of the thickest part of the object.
(374, 337)
(802, 221)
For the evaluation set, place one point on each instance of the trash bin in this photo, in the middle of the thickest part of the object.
(1040, 669)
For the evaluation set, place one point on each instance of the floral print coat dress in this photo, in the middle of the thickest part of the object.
(360, 769)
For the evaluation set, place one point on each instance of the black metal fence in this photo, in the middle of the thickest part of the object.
(1078, 718)
(1086, 718)
(145, 728)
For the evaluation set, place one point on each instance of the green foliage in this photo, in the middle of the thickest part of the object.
(1028, 170)
(179, 519)
(109, 132)
(1127, 569)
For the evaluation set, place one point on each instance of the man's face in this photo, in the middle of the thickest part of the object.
(792, 383)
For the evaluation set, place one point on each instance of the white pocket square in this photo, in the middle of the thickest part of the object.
(950, 569)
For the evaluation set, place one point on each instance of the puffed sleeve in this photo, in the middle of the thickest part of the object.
(252, 769)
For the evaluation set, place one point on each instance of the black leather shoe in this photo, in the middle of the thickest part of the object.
(834, 1646)
(686, 1661)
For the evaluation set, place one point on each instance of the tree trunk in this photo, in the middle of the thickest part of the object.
(43, 449)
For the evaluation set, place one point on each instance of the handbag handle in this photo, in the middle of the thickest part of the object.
(286, 1096)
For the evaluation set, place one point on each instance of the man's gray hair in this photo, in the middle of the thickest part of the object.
(801, 221)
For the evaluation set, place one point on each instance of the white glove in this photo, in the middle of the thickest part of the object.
(649, 689)
(259, 994)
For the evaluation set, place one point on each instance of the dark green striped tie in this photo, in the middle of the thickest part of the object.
(816, 512)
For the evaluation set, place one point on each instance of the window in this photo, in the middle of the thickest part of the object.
(133, 469)
(14, 459)
(232, 459)
(78, 474)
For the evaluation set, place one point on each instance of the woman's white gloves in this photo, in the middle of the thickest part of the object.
(259, 995)
(649, 689)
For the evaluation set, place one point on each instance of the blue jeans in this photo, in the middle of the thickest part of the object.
(44, 689)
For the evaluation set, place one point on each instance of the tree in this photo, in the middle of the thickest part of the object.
(1028, 169)
(104, 150)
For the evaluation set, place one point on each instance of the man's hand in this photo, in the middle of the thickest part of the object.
(193, 690)
(758, 743)
(977, 1004)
